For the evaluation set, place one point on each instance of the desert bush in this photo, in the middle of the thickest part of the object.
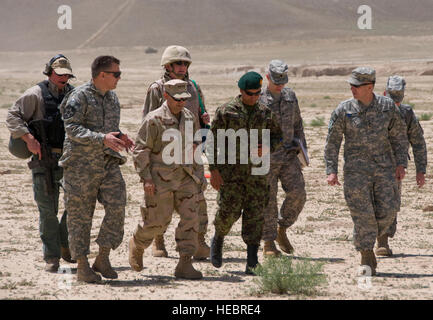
(425, 116)
(282, 275)
(318, 122)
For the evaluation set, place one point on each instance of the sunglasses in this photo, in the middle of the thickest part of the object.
(360, 85)
(116, 74)
(257, 93)
(178, 100)
(182, 63)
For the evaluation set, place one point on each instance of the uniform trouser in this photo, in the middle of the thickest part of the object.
(53, 234)
(393, 228)
(292, 182)
(157, 212)
(246, 199)
(84, 184)
(373, 201)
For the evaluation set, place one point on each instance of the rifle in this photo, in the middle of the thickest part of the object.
(38, 129)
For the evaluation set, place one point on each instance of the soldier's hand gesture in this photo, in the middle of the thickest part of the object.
(333, 179)
(400, 172)
(114, 143)
(32, 144)
(420, 179)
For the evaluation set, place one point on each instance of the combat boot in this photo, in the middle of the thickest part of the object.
(203, 250)
(368, 259)
(283, 241)
(66, 255)
(52, 265)
(383, 247)
(135, 256)
(102, 264)
(185, 270)
(158, 247)
(85, 273)
(270, 250)
(216, 251)
(252, 259)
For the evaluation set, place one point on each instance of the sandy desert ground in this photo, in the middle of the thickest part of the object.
(324, 229)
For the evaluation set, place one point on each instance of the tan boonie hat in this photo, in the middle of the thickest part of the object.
(362, 75)
(177, 89)
(61, 66)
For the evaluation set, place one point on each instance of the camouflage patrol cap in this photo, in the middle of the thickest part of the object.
(362, 75)
(177, 89)
(395, 88)
(278, 72)
(62, 66)
(175, 53)
(250, 80)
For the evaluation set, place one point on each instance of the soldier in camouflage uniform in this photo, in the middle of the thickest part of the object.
(241, 193)
(167, 186)
(40, 103)
(176, 61)
(375, 158)
(415, 134)
(285, 165)
(90, 161)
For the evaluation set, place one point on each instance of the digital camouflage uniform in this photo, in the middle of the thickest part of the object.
(30, 106)
(91, 170)
(285, 165)
(154, 99)
(176, 184)
(375, 143)
(242, 194)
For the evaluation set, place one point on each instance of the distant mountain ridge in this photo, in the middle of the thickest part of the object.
(32, 25)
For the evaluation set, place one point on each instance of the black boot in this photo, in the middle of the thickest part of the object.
(216, 251)
(252, 259)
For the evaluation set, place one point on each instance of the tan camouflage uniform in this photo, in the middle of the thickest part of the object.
(154, 99)
(91, 170)
(285, 165)
(176, 184)
(375, 143)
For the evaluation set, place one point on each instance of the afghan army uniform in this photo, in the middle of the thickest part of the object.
(176, 184)
(242, 193)
(285, 165)
(40, 103)
(91, 169)
(154, 99)
(375, 143)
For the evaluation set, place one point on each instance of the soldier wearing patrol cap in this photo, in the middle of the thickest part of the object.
(395, 88)
(285, 165)
(39, 104)
(375, 158)
(240, 192)
(167, 187)
(176, 61)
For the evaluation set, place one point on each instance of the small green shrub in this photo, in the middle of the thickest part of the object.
(425, 116)
(318, 122)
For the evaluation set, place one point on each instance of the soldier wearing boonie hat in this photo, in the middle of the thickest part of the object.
(40, 103)
(375, 157)
(177, 89)
(175, 61)
(395, 88)
(285, 166)
(241, 193)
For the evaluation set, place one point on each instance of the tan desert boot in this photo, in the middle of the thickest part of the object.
(158, 247)
(185, 270)
(368, 259)
(283, 241)
(270, 250)
(135, 256)
(383, 247)
(203, 251)
(102, 264)
(85, 273)
(52, 265)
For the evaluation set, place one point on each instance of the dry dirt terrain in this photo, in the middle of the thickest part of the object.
(324, 229)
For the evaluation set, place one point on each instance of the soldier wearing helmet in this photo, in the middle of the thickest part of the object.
(175, 61)
(39, 104)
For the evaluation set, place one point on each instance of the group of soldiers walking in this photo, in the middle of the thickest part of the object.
(74, 139)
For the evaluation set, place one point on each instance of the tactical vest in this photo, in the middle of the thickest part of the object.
(54, 126)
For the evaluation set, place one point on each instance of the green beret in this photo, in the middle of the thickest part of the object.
(250, 80)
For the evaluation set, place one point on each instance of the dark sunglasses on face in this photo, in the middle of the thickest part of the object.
(116, 74)
(178, 100)
(257, 93)
(182, 63)
(359, 85)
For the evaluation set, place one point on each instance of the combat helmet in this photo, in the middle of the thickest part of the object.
(175, 53)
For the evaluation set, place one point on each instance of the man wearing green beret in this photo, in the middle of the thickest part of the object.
(241, 191)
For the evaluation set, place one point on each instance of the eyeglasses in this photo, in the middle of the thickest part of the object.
(182, 63)
(257, 93)
(116, 74)
(178, 100)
